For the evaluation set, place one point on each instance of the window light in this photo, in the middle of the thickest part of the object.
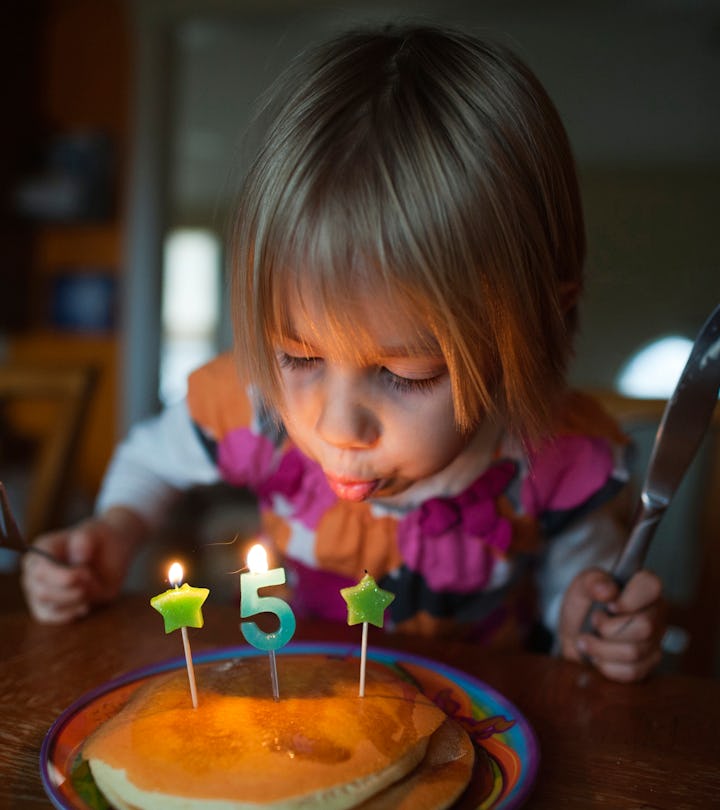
(653, 371)
(190, 307)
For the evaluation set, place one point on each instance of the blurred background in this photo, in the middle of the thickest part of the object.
(124, 140)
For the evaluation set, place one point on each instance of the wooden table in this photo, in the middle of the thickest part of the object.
(642, 746)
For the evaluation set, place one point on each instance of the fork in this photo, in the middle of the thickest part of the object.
(10, 536)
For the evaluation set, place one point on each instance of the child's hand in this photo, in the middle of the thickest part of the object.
(629, 631)
(97, 552)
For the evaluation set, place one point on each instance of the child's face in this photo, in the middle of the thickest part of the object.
(378, 423)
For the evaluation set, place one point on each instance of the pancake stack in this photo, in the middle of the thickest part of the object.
(319, 746)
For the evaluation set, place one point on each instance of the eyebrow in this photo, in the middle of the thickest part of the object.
(395, 351)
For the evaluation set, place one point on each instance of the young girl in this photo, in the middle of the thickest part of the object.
(407, 261)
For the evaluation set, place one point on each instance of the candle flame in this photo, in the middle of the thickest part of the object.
(175, 574)
(257, 559)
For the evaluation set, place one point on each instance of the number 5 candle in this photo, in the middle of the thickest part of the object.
(251, 603)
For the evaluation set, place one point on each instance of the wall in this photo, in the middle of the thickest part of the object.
(83, 75)
(653, 260)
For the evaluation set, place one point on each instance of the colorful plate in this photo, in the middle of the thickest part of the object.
(507, 750)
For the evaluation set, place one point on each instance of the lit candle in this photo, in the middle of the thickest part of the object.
(181, 607)
(366, 603)
(251, 603)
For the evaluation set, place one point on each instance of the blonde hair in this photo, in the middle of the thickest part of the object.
(431, 167)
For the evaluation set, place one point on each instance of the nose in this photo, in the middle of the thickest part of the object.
(345, 420)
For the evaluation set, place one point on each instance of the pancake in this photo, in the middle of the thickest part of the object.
(320, 745)
(438, 781)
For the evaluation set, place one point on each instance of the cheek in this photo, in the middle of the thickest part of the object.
(296, 400)
(291, 389)
(429, 429)
(445, 442)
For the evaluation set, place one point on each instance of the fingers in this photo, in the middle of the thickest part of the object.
(587, 589)
(642, 590)
(96, 561)
(627, 628)
(624, 660)
(55, 592)
(80, 547)
(625, 645)
(636, 615)
(597, 586)
(60, 609)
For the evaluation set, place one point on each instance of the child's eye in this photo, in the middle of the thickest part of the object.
(409, 384)
(297, 363)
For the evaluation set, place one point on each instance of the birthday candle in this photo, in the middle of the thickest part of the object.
(366, 603)
(181, 607)
(251, 603)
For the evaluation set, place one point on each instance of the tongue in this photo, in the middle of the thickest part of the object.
(352, 490)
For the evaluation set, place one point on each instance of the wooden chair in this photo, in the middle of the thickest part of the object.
(686, 550)
(43, 411)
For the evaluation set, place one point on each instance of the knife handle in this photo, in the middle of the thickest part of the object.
(47, 554)
(632, 556)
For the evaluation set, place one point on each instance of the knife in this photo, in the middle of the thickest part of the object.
(10, 535)
(684, 422)
(683, 425)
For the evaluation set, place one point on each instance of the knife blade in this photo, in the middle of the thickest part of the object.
(683, 425)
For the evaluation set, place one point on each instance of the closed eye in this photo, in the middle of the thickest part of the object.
(297, 363)
(410, 384)
(395, 382)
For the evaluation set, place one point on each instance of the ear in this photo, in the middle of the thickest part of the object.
(569, 295)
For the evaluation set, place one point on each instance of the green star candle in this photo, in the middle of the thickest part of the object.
(251, 603)
(180, 608)
(366, 603)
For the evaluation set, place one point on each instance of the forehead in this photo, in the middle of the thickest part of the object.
(360, 326)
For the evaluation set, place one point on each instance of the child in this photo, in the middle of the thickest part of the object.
(407, 261)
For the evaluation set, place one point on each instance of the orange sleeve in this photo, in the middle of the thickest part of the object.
(217, 398)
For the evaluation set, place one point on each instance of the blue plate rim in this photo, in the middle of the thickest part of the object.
(386, 655)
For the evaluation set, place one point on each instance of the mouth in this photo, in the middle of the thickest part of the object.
(351, 490)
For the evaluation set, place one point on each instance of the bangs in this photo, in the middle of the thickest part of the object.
(340, 248)
(342, 328)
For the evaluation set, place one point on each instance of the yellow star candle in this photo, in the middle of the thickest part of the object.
(180, 608)
(366, 604)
